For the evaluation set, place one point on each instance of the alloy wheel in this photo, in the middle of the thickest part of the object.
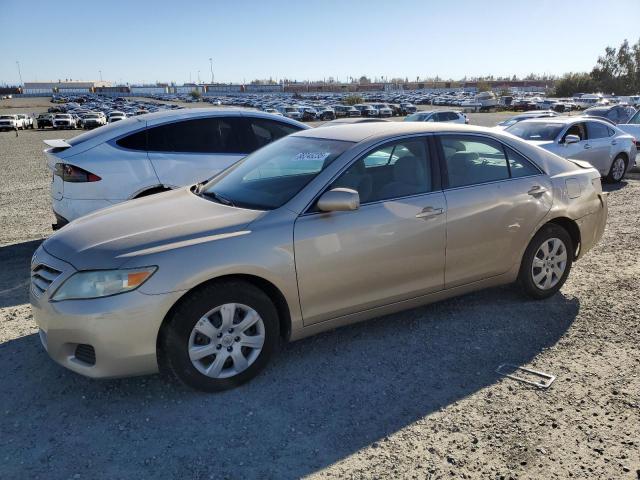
(226, 340)
(549, 263)
(617, 170)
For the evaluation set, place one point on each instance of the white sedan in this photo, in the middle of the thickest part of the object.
(600, 143)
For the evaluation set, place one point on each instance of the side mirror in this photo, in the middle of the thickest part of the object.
(339, 200)
(569, 139)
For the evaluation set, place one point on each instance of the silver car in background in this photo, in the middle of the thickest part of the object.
(600, 143)
(320, 229)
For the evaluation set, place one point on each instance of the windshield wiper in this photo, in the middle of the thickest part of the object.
(217, 197)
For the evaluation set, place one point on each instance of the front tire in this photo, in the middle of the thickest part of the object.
(546, 262)
(617, 170)
(221, 336)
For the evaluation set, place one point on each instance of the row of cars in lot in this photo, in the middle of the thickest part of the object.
(247, 229)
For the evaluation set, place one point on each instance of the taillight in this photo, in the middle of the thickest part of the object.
(73, 174)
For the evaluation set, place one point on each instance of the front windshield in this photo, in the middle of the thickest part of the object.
(5, 117)
(271, 176)
(536, 131)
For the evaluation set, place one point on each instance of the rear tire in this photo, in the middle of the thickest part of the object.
(546, 263)
(205, 343)
(617, 170)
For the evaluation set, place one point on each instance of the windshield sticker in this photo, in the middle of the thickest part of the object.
(312, 156)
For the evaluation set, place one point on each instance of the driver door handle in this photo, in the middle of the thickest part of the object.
(428, 212)
(614, 142)
(537, 190)
(587, 146)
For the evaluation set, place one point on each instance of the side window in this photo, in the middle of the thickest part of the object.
(614, 114)
(576, 129)
(265, 131)
(406, 171)
(471, 160)
(520, 166)
(202, 135)
(452, 116)
(135, 141)
(597, 130)
(635, 119)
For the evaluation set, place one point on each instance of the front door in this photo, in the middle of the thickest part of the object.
(390, 249)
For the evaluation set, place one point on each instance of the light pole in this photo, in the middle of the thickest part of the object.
(100, 72)
(211, 65)
(19, 72)
(198, 77)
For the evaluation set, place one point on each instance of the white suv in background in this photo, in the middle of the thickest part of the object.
(63, 121)
(451, 116)
(151, 153)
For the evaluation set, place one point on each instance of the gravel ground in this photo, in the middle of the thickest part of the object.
(413, 395)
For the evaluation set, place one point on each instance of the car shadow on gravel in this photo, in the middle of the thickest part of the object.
(15, 262)
(321, 399)
(614, 187)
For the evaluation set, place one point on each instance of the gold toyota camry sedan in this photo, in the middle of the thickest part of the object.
(320, 229)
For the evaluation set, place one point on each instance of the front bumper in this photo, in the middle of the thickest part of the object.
(122, 329)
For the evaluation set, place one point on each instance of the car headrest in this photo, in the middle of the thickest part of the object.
(409, 169)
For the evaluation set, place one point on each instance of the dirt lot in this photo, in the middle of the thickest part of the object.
(413, 395)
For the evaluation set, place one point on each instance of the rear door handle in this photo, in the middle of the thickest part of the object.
(537, 190)
(614, 142)
(428, 212)
(587, 146)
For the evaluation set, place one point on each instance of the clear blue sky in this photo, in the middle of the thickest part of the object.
(135, 41)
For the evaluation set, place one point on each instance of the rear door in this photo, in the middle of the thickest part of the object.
(191, 151)
(602, 145)
(495, 197)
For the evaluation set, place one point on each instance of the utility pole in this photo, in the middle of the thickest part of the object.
(19, 72)
(100, 72)
(211, 65)
(198, 77)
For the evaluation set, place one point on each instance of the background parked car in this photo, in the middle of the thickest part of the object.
(9, 122)
(366, 110)
(64, 121)
(143, 155)
(383, 109)
(45, 120)
(603, 145)
(27, 120)
(451, 116)
(616, 113)
(526, 116)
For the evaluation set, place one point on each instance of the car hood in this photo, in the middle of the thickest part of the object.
(111, 237)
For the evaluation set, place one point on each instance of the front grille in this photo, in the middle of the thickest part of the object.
(86, 354)
(41, 277)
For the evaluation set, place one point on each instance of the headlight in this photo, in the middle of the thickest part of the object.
(102, 283)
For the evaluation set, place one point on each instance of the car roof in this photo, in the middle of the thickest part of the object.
(565, 120)
(362, 131)
(164, 115)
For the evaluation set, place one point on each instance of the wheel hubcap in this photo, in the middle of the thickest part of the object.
(618, 168)
(226, 340)
(549, 263)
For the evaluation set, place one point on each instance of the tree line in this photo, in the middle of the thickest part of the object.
(616, 72)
